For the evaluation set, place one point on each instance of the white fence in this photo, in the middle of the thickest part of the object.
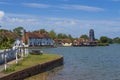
(10, 55)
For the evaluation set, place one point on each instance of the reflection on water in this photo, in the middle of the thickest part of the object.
(86, 63)
(49, 75)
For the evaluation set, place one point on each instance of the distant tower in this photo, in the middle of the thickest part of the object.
(91, 35)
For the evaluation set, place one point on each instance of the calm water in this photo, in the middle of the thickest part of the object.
(87, 63)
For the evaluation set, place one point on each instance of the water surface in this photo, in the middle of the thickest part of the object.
(87, 63)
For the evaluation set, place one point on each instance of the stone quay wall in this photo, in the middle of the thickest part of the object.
(28, 72)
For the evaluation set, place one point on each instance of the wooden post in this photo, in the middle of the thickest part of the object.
(5, 56)
(26, 52)
(16, 56)
(22, 51)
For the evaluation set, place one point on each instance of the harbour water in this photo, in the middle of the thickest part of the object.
(85, 63)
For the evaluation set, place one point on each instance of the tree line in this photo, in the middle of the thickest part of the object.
(7, 40)
(54, 35)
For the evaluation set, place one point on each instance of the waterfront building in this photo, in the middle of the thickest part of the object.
(80, 42)
(63, 42)
(86, 42)
(66, 42)
(58, 42)
(37, 39)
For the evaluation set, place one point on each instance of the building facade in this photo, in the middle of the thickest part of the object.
(80, 42)
(37, 39)
(63, 42)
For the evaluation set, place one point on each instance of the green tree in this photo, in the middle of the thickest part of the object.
(59, 36)
(70, 37)
(41, 31)
(18, 31)
(6, 41)
(84, 36)
(110, 40)
(62, 36)
(52, 34)
(104, 39)
(116, 40)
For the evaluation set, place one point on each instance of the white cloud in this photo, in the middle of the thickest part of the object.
(76, 27)
(36, 5)
(72, 7)
(82, 7)
(4, 3)
(1, 14)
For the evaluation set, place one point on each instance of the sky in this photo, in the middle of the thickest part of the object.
(75, 17)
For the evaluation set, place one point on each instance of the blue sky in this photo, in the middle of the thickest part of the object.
(75, 17)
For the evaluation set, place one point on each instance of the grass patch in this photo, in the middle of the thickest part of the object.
(30, 61)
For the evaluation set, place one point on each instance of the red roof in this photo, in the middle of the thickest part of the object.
(10, 34)
(36, 35)
(63, 40)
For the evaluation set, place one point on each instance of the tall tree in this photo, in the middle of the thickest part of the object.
(18, 31)
(52, 34)
(104, 39)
